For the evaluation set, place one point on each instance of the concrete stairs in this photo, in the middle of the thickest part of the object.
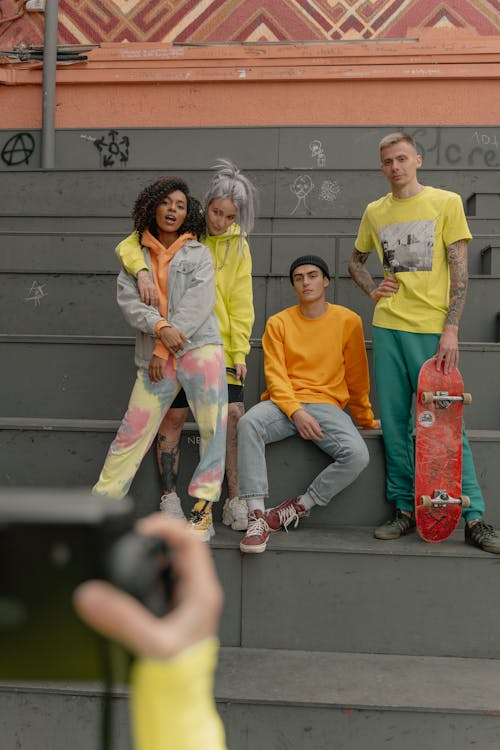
(331, 639)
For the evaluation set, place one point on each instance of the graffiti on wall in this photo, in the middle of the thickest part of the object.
(480, 149)
(36, 293)
(18, 149)
(113, 149)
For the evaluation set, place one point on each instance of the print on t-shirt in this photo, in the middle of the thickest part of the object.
(408, 246)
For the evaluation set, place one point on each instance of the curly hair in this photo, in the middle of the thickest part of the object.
(195, 218)
(144, 211)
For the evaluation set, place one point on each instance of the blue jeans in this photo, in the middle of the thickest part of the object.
(266, 423)
(397, 359)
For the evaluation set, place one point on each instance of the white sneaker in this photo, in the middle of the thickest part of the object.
(171, 505)
(235, 514)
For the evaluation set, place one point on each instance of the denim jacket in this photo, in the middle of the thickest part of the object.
(191, 299)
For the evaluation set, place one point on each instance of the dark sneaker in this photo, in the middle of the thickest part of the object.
(397, 526)
(255, 540)
(283, 515)
(484, 536)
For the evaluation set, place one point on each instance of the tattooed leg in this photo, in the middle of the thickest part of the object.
(168, 448)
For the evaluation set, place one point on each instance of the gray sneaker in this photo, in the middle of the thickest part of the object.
(235, 514)
(171, 505)
(397, 526)
(484, 536)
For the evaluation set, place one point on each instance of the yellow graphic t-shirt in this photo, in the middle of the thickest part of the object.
(411, 236)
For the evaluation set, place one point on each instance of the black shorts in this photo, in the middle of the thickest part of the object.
(234, 396)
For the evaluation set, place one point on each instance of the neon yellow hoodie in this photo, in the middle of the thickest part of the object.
(172, 701)
(233, 287)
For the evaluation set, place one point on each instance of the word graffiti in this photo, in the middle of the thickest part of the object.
(431, 144)
(484, 139)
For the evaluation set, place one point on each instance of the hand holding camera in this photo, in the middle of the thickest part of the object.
(196, 599)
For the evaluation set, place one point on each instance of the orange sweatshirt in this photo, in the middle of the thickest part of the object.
(160, 261)
(317, 360)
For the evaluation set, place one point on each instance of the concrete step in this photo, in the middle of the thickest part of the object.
(299, 700)
(313, 700)
(38, 301)
(91, 377)
(342, 590)
(70, 453)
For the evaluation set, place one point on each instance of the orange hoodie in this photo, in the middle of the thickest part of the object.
(160, 261)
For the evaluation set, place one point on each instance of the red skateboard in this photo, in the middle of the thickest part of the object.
(438, 452)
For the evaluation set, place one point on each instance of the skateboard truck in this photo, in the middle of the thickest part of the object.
(443, 400)
(441, 499)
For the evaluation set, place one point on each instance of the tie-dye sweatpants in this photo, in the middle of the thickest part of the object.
(202, 374)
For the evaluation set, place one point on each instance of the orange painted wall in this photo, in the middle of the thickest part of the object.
(441, 78)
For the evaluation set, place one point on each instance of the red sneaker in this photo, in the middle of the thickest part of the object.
(255, 540)
(283, 515)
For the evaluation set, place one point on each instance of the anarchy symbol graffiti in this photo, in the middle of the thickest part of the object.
(18, 149)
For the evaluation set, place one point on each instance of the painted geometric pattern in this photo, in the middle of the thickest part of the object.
(219, 21)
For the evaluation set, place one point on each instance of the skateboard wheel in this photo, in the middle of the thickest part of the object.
(427, 397)
(425, 501)
(465, 501)
(467, 398)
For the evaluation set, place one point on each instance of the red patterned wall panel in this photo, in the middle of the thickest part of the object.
(216, 21)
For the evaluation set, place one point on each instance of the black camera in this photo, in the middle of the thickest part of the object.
(51, 540)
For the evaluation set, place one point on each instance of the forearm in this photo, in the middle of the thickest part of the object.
(457, 259)
(360, 273)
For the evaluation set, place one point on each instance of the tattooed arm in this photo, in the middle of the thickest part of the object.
(363, 278)
(448, 343)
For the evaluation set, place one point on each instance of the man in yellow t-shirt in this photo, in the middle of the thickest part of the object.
(420, 234)
(315, 365)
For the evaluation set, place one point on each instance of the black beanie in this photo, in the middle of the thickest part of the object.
(309, 260)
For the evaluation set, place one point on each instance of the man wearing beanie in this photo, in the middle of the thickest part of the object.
(315, 365)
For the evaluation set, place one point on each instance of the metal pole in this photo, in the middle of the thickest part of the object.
(49, 85)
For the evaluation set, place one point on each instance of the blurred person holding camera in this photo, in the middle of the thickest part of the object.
(172, 702)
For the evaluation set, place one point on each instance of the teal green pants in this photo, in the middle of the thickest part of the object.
(397, 358)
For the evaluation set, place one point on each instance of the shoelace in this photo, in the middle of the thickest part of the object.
(287, 515)
(482, 530)
(257, 526)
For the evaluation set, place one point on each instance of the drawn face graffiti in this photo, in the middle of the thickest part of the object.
(302, 186)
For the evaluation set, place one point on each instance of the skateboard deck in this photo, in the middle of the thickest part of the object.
(438, 452)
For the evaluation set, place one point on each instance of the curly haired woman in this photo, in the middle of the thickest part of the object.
(178, 345)
(230, 198)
